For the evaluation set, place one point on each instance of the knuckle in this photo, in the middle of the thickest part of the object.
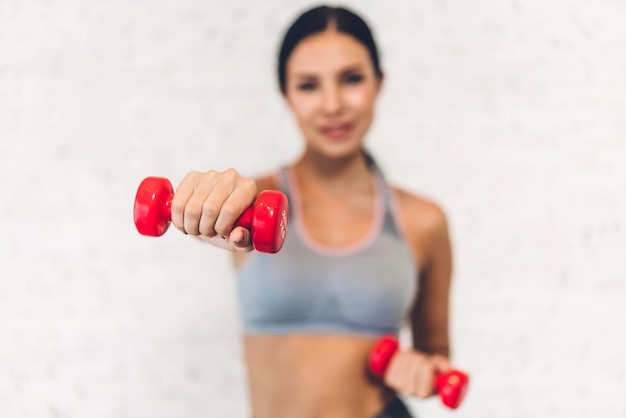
(230, 209)
(210, 173)
(231, 172)
(192, 175)
(192, 210)
(206, 178)
(210, 209)
(223, 227)
(178, 207)
(206, 230)
(221, 230)
(419, 358)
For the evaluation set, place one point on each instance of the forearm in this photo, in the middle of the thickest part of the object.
(431, 344)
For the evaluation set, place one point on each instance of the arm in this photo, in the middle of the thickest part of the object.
(429, 316)
(412, 372)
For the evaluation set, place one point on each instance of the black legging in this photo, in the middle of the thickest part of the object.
(395, 409)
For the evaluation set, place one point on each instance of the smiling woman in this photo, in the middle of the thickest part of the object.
(329, 62)
(332, 88)
(362, 259)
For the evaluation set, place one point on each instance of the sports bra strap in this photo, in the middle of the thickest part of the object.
(391, 222)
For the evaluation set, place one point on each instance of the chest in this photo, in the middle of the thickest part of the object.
(337, 222)
(368, 288)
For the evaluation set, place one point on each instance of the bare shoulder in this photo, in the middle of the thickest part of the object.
(424, 223)
(419, 214)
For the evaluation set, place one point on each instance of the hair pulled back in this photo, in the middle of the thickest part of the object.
(318, 20)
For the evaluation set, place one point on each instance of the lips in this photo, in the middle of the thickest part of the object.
(337, 131)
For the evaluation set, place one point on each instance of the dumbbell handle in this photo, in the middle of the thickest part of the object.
(451, 385)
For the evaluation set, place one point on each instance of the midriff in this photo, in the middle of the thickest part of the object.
(312, 376)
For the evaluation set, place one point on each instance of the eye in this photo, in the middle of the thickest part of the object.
(353, 78)
(307, 86)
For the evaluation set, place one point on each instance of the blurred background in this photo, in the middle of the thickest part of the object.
(510, 114)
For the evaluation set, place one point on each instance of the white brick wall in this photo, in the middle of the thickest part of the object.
(510, 114)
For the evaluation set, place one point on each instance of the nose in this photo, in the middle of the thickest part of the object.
(332, 101)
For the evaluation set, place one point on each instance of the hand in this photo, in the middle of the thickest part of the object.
(208, 204)
(413, 373)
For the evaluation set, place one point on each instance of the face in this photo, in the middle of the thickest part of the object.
(331, 87)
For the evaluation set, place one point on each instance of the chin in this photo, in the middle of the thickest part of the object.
(337, 149)
(336, 153)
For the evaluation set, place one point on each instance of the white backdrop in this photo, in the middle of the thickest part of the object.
(510, 114)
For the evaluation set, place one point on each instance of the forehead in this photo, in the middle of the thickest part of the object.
(327, 51)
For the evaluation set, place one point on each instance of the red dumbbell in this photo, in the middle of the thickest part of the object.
(266, 219)
(451, 385)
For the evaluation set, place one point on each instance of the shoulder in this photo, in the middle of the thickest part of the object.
(419, 213)
(424, 222)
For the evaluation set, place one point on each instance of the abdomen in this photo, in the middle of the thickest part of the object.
(321, 376)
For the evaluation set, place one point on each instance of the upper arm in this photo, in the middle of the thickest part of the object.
(426, 227)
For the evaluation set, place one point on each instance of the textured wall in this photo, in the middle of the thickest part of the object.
(510, 114)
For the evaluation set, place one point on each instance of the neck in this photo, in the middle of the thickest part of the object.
(334, 174)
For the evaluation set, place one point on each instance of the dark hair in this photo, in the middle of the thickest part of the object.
(317, 20)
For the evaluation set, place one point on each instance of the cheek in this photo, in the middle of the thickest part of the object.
(362, 101)
(303, 108)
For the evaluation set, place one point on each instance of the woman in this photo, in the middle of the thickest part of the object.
(361, 257)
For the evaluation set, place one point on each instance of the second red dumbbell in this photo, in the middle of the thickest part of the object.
(266, 219)
(451, 386)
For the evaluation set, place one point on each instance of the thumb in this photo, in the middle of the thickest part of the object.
(240, 239)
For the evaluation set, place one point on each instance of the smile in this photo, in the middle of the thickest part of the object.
(337, 132)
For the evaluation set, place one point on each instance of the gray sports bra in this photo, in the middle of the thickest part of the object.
(367, 288)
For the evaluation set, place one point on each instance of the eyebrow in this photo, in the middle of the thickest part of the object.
(349, 68)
